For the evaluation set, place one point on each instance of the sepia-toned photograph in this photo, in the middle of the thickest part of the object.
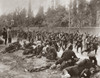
(49, 38)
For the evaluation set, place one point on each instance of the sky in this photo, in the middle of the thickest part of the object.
(7, 6)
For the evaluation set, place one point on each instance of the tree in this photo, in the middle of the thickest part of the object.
(74, 14)
(39, 17)
(22, 16)
(50, 14)
(61, 16)
(57, 17)
(94, 7)
(81, 12)
(19, 17)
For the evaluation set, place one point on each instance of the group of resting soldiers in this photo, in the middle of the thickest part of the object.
(48, 44)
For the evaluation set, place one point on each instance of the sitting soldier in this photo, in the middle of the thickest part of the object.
(38, 50)
(28, 48)
(28, 51)
(28, 45)
(92, 58)
(68, 59)
(51, 52)
(44, 52)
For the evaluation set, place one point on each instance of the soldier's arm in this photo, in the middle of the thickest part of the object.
(59, 61)
(74, 55)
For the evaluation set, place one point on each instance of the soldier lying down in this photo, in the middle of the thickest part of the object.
(84, 69)
(12, 47)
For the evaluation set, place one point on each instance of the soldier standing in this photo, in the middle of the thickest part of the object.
(4, 33)
(9, 35)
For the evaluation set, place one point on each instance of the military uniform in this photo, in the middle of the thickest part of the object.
(77, 69)
(66, 56)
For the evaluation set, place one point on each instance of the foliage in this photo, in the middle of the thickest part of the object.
(39, 17)
(85, 13)
(82, 14)
(57, 17)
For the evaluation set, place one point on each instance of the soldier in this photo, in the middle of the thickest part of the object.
(79, 43)
(51, 52)
(85, 73)
(92, 58)
(89, 49)
(38, 50)
(12, 47)
(28, 49)
(79, 68)
(9, 32)
(68, 57)
(4, 33)
(95, 45)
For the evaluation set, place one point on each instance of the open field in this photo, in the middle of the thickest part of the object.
(94, 31)
(14, 65)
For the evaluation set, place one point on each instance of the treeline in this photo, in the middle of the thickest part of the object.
(80, 13)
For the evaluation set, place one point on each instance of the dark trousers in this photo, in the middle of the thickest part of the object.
(9, 40)
(79, 47)
(5, 41)
(95, 50)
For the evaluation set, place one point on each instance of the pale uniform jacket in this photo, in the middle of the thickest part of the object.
(9, 33)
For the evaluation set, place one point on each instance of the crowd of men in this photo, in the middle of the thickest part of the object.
(48, 44)
(7, 35)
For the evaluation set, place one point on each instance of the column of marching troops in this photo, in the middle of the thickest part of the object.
(48, 44)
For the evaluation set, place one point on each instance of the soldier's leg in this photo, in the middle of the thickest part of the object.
(9, 40)
(95, 50)
(81, 47)
(77, 48)
(66, 43)
(5, 41)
